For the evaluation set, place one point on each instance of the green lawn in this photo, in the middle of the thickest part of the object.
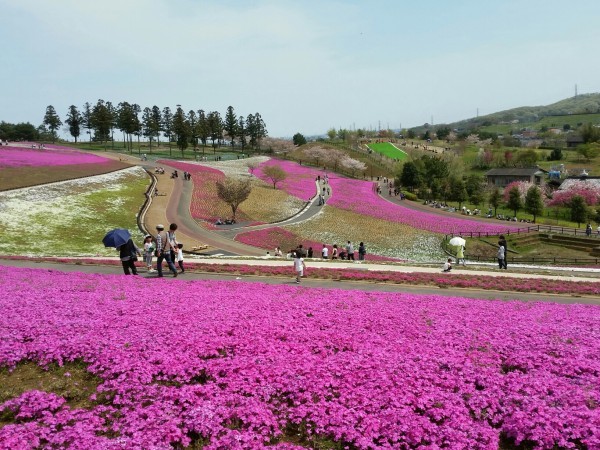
(389, 150)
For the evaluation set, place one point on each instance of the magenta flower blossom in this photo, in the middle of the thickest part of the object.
(51, 156)
(241, 365)
(360, 197)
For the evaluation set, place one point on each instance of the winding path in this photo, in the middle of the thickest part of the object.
(175, 208)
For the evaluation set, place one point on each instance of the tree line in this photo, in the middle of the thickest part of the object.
(185, 129)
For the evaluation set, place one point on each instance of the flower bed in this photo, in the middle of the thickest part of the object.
(23, 157)
(263, 205)
(241, 366)
(359, 197)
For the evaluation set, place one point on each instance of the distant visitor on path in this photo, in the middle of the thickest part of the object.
(501, 256)
(502, 242)
(325, 252)
(362, 251)
(350, 251)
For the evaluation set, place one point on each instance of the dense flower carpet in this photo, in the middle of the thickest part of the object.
(235, 365)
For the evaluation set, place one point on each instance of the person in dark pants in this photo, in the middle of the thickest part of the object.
(163, 247)
(362, 251)
(502, 242)
(128, 254)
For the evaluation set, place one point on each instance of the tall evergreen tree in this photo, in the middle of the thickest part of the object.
(495, 199)
(192, 126)
(215, 128)
(87, 119)
(101, 121)
(180, 129)
(514, 200)
(242, 132)
(231, 124)
(251, 130)
(156, 123)
(112, 118)
(167, 125)
(52, 121)
(147, 128)
(74, 120)
(534, 203)
(203, 132)
(579, 210)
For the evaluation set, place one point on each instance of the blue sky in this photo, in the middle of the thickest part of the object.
(305, 66)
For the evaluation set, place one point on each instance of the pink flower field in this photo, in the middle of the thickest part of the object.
(51, 156)
(232, 365)
(358, 196)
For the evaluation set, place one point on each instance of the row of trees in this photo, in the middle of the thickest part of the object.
(191, 128)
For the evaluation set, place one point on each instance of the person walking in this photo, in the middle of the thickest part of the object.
(173, 241)
(299, 266)
(324, 252)
(501, 256)
(334, 252)
(128, 254)
(163, 247)
(588, 230)
(503, 243)
(180, 257)
(362, 251)
(350, 251)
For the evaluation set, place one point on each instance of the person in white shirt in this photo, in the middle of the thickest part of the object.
(325, 252)
(299, 266)
(448, 265)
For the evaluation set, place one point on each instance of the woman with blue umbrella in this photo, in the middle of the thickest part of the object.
(128, 251)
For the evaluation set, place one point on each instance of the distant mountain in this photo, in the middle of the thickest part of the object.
(581, 104)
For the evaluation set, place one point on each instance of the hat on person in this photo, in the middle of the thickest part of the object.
(160, 226)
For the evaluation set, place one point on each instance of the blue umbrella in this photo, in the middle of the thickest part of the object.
(116, 238)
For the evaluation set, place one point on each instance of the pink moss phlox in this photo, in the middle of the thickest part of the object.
(242, 365)
(22, 157)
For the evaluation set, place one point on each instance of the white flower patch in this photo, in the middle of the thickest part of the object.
(60, 218)
(232, 168)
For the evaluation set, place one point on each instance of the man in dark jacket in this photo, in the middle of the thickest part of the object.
(128, 254)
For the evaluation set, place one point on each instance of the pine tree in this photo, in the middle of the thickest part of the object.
(534, 204)
(52, 121)
(74, 120)
(231, 124)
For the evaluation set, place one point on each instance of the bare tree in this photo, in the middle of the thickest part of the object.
(275, 173)
(234, 191)
(252, 166)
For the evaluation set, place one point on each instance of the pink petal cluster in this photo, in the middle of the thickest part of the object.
(588, 190)
(359, 196)
(243, 366)
(300, 181)
(23, 157)
(522, 186)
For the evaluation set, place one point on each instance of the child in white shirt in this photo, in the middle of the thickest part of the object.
(180, 257)
(448, 265)
(299, 266)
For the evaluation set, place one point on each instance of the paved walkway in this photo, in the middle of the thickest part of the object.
(332, 284)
